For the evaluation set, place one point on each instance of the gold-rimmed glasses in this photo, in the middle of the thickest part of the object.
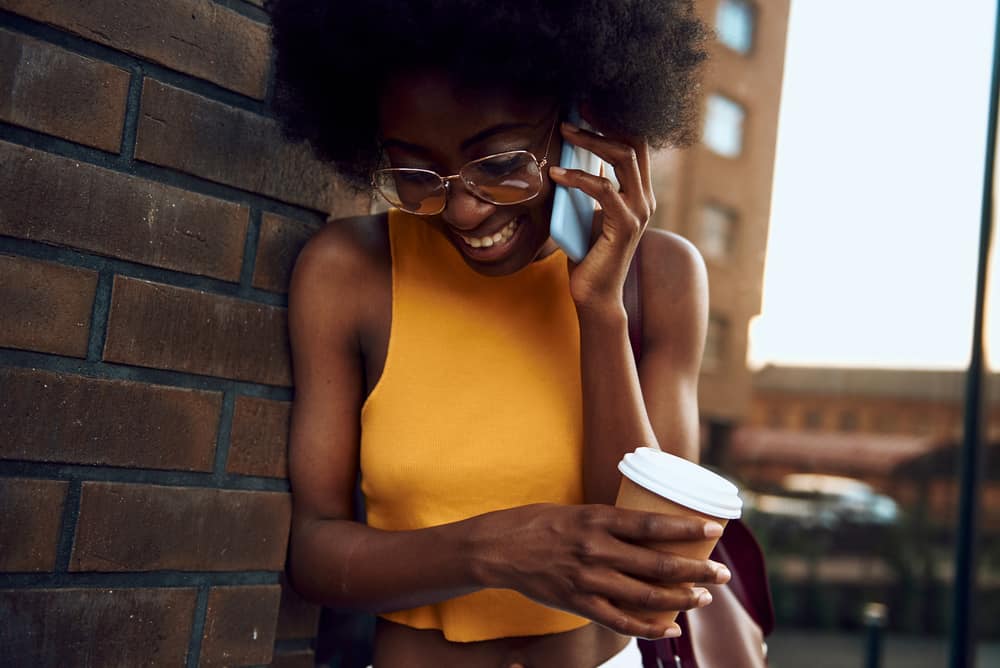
(504, 178)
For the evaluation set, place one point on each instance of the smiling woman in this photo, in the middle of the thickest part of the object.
(481, 383)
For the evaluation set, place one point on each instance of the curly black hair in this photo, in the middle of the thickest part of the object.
(635, 63)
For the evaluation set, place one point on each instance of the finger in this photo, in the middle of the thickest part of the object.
(636, 594)
(661, 566)
(646, 172)
(618, 154)
(641, 526)
(616, 211)
(609, 615)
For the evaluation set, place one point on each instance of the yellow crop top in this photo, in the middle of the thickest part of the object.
(479, 408)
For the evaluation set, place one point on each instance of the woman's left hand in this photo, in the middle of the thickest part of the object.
(596, 282)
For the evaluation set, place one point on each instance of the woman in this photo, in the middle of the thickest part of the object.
(481, 383)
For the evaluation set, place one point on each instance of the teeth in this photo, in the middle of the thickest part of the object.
(485, 242)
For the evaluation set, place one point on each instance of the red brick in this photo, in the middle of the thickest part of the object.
(29, 532)
(164, 327)
(134, 527)
(96, 627)
(301, 658)
(239, 625)
(297, 617)
(209, 139)
(46, 306)
(280, 241)
(58, 92)
(259, 441)
(68, 203)
(196, 37)
(53, 417)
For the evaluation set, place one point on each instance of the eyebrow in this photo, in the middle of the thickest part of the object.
(467, 143)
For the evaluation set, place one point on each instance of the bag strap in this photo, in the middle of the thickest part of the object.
(737, 548)
(631, 296)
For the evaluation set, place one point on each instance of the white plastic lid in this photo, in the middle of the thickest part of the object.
(683, 482)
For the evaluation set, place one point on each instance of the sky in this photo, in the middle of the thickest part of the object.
(874, 228)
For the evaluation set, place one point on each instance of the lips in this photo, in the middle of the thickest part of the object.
(490, 247)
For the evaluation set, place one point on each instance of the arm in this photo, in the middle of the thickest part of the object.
(620, 412)
(576, 558)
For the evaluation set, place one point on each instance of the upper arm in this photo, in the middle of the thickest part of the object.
(323, 323)
(675, 320)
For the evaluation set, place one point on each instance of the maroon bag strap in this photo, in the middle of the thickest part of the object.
(737, 548)
(633, 305)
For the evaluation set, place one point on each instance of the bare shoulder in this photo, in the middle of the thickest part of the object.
(346, 245)
(673, 271)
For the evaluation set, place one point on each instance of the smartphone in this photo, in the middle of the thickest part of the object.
(573, 209)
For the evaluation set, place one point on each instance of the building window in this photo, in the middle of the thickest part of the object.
(715, 344)
(716, 229)
(723, 131)
(813, 419)
(734, 21)
(848, 421)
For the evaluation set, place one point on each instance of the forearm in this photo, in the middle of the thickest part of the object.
(346, 564)
(614, 415)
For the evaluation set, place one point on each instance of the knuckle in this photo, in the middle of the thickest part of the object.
(650, 598)
(587, 549)
(648, 525)
(607, 188)
(664, 568)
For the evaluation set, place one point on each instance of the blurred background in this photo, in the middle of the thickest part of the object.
(836, 196)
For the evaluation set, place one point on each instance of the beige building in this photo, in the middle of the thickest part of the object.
(718, 193)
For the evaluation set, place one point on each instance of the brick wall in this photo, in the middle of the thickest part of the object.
(149, 216)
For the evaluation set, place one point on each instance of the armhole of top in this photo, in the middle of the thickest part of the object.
(387, 367)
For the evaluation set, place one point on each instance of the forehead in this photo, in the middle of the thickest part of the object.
(429, 108)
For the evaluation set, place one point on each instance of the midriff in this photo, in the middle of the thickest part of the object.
(585, 647)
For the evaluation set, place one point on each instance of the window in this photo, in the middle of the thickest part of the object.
(734, 21)
(715, 233)
(848, 420)
(813, 419)
(723, 131)
(715, 344)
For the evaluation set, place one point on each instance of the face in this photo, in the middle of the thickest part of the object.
(429, 122)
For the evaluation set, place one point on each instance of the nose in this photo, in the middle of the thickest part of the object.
(464, 210)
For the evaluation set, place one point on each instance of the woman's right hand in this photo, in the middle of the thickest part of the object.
(587, 560)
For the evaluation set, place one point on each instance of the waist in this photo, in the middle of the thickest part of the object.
(585, 647)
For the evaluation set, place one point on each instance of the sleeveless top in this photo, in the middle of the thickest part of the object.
(479, 408)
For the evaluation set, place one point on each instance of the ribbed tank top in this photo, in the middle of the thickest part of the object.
(479, 408)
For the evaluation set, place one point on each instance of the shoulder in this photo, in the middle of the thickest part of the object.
(674, 284)
(340, 268)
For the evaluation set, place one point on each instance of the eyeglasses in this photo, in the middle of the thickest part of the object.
(504, 178)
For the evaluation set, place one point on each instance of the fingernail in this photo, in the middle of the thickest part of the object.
(704, 598)
(558, 171)
(713, 529)
(569, 127)
(722, 574)
(672, 632)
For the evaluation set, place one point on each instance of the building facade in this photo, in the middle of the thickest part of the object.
(718, 192)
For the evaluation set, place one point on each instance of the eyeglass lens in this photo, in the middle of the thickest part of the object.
(506, 178)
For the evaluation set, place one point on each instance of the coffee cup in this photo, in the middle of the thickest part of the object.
(656, 481)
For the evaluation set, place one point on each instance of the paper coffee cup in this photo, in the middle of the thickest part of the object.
(657, 481)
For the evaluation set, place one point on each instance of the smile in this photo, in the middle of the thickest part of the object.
(497, 238)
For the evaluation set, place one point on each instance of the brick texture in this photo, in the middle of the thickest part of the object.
(53, 417)
(58, 92)
(54, 628)
(302, 658)
(29, 531)
(280, 241)
(130, 527)
(259, 440)
(46, 306)
(68, 203)
(165, 327)
(239, 625)
(196, 37)
(297, 617)
(205, 138)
